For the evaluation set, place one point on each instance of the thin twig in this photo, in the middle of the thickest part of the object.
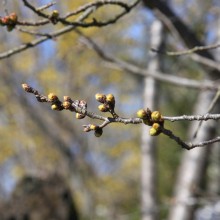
(164, 77)
(189, 51)
(46, 6)
(193, 117)
(40, 40)
(185, 145)
(71, 26)
(97, 4)
(212, 105)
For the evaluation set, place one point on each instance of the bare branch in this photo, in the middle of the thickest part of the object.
(212, 105)
(46, 6)
(40, 40)
(80, 108)
(164, 77)
(70, 27)
(189, 51)
(98, 4)
(185, 145)
(193, 117)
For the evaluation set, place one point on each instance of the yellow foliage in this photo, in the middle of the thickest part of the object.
(18, 171)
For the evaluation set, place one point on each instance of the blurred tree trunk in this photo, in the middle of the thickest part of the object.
(192, 167)
(149, 169)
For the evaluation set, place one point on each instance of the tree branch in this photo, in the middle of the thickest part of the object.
(164, 77)
(108, 104)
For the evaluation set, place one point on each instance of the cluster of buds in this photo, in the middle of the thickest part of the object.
(9, 21)
(153, 119)
(56, 104)
(108, 103)
(91, 127)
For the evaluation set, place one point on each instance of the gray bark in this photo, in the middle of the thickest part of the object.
(148, 173)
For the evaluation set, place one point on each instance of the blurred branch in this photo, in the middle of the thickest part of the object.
(125, 66)
(186, 52)
(205, 61)
(185, 145)
(34, 43)
(56, 18)
(196, 57)
(212, 105)
(88, 9)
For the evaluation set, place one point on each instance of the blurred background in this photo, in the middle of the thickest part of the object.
(45, 153)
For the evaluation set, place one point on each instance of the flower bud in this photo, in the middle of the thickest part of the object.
(103, 108)
(155, 129)
(13, 18)
(5, 20)
(80, 116)
(26, 87)
(67, 98)
(110, 98)
(52, 97)
(93, 127)
(86, 129)
(153, 132)
(98, 132)
(66, 105)
(156, 126)
(142, 113)
(55, 14)
(156, 116)
(100, 97)
(55, 107)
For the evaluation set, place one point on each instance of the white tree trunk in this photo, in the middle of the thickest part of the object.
(148, 172)
(192, 166)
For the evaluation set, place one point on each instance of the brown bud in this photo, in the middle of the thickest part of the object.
(26, 87)
(98, 132)
(52, 97)
(13, 18)
(100, 97)
(67, 98)
(86, 129)
(5, 20)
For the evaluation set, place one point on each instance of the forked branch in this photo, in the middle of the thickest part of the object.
(154, 119)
